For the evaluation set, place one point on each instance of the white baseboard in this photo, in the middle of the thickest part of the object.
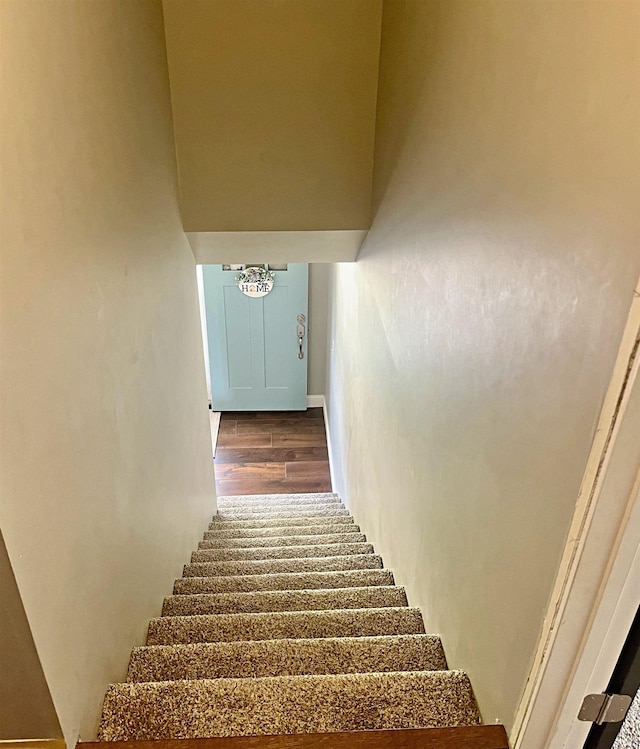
(315, 401)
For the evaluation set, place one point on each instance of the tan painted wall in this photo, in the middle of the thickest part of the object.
(472, 342)
(106, 453)
(274, 112)
(26, 708)
(317, 328)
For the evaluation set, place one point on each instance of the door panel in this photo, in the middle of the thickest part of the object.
(277, 359)
(253, 345)
(237, 331)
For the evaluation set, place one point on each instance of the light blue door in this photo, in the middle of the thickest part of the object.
(254, 344)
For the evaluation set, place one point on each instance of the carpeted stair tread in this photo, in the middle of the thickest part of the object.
(285, 622)
(267, 566)
(287, 704)
(248, 513)
(274, 499)
(321, 540)
(285, 600)
(328, 504)
(280, 531)
(281, 552)
(283, 581)
(337, 655)
(168, 630)
(219, 523)
(265, 511)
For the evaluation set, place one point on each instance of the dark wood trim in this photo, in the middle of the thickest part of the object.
(461, 737)
(32, 744)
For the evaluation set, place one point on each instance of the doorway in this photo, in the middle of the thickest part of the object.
(597, 590)
(256, 321)
(625, 680)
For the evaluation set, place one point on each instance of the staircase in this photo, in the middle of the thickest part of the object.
(286, 622)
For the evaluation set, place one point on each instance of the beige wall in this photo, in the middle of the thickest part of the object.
(274, 112)
(106, 454)
(472, 342)
(26, 708)
(317, 328)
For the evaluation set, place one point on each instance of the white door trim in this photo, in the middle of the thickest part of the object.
(567, 620)
(609, 628)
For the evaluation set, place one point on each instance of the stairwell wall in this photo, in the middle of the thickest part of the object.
(317, 327)
(107, 477)
(471, 344)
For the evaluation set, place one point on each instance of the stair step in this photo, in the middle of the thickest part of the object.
(249, 499)
(268, 566)
(248, 513)
(272, 541)
(281, 530)
(169, 630)
(369, 597)
(265, 512)
(220, 523)
(487, 736)
(329, 504)
(338, 655)
(286, 704)
(281, 552)
(283, 581)
(284, 623)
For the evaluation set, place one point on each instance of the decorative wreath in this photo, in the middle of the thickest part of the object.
(255, 275)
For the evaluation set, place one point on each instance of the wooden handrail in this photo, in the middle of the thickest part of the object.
(461, 737)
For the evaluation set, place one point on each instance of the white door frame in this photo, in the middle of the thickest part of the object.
(608, 633)
(584, 626)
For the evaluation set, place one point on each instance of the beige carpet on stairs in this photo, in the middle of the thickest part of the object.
(285, 621)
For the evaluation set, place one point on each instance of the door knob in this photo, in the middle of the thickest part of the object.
(300, 332)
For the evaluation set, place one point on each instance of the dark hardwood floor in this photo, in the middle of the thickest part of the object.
(272, 452)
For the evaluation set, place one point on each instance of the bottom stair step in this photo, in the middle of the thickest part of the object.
(287, 704)
(338, 655)
(274, 499)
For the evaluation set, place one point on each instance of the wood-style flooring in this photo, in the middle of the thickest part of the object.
(272, 452)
